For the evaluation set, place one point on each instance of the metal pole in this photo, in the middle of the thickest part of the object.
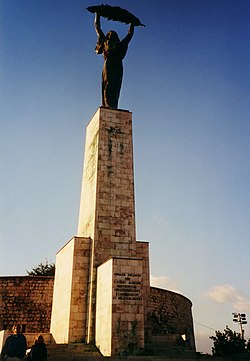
(241, 319)
(241, 328)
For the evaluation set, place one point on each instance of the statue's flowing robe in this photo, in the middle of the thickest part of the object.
(112, 71)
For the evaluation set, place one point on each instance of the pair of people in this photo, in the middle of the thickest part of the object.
(15, 347)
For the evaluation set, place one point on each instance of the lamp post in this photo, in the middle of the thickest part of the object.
(241, 319)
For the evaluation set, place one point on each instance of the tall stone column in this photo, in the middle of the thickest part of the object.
(107, 207)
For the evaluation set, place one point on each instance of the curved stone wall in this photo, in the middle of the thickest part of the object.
(170, 318)
(28, 301)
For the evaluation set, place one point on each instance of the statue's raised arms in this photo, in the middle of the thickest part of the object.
(113, 50)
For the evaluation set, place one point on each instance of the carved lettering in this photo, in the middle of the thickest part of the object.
(128, 286)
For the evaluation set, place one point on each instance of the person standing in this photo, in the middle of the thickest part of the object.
(15, 345)
(38, 350)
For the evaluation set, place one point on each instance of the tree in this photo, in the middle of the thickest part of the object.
(228, 343)
(43, 269)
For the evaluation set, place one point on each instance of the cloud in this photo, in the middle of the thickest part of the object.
(229, 294)
(222, 293)
(242, 303)
(164, 282)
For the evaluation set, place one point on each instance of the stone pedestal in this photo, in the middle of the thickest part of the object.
(120, 307)
(107, 209)
(106, 241)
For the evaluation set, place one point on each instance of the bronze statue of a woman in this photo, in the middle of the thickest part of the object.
(114, 51)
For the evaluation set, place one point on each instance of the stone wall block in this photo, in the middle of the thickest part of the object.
(27, 300)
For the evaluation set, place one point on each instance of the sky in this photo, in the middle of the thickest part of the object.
(187, 83)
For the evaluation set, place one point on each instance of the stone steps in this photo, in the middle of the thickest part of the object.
(72, 352)
(168, 351)
(87, 352)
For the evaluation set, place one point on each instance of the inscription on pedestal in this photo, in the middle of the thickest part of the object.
(127, 286)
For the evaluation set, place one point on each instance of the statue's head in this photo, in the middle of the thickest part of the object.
(112, 36)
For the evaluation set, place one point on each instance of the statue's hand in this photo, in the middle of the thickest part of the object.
(97, 24)
(132, 26)
(97, 16)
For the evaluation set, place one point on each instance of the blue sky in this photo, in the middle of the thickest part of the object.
(187, 83)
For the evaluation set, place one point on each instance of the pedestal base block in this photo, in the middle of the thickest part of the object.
(120, 307)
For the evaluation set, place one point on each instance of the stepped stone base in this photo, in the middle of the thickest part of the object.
(72, 352)
(87, 352)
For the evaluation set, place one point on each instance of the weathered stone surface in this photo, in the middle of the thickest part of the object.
(107, 208)
(170, 317)
(26, 300)
(119, 307)
(68, 319)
